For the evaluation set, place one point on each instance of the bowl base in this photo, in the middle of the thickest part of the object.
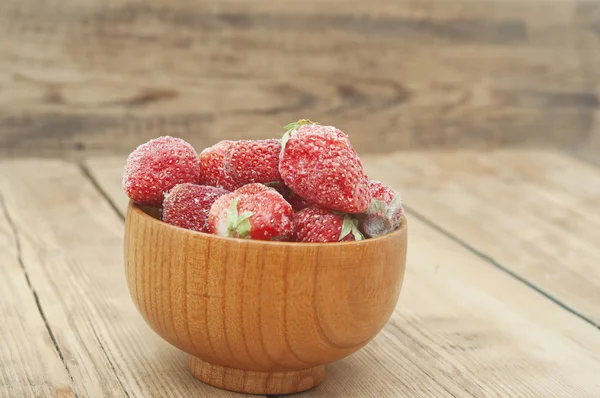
(255, 382)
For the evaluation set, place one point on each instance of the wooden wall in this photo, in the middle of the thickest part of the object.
(99, 76)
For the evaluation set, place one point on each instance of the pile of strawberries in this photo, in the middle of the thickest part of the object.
(308, 186)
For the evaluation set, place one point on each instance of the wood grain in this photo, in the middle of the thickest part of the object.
(587, 14)
(30, 363)
(261, 317)
(72, 245)
(103, 77)
(534, 213)
(463, 327)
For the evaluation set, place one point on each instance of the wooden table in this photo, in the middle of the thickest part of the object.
(502, 290)
(500, 298)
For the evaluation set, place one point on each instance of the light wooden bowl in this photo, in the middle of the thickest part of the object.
(261, 317)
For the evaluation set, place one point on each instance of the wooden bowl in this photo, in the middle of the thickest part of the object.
(261, 317)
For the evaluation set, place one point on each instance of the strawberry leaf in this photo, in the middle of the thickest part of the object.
(238, 225)
(243, 226)
(346, 227)
(356, 232)
(291, 127)
(350, 226)
(295, 125)
(285, 139)
(232, 213)
(243, 229)
(244, 216)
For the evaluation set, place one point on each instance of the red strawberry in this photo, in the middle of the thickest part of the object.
(385, 211)
(298, 202)
(317, 224)
(252, 212)
(251, 189)
(253, 161)
(319, 164)
(155, 167)
(212, 166)
(187, 205)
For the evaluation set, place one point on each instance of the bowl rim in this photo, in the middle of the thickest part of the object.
(134, 207)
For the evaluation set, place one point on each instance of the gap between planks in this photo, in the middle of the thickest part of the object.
(522, 211)
(36, 298)
(64, 272)
(87, 174)
(488, 259)
(410, 210)
(414, 213)
(106, 173)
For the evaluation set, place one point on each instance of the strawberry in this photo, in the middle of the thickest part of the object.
(212, 166)
(298, 202)
(254, 211)
(385, 212)
(187, 205)
(317, 224)
(319, 164)
(155, 167)
(253, 161)
(251, 189)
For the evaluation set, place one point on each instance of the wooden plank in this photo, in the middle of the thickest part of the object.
(72, 251)
(100, 77)
(535, 213)
(30, 364)
(106, 173)
(456, 331)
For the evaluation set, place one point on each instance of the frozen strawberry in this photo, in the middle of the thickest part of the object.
(319, 164)
(187, 205)
(317, 224)
(212, 166)
(385, 211)
(253, 161)
(298, 202)
(252, 212)
(155, 167)
(251, 189)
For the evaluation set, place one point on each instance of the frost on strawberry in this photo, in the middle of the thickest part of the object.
(187, 205)
(317, 224)
(253, 161)
(385, 212)
(254, 211)
(156, 166)
(212, 166)
(319, 164)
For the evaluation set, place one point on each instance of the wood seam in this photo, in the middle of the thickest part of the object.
(38, 304)
(90, 177)
(498, 265)
(110, 363)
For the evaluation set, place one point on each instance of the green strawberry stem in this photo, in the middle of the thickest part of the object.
(238, 225)
(295, 125)
(350, 225)
(291, 127)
